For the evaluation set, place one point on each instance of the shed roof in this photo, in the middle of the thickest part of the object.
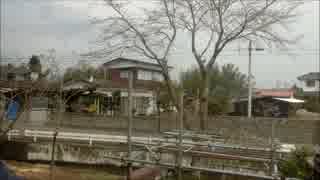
(20, 70)
(268, 93)
(290, 100)
(285, 93)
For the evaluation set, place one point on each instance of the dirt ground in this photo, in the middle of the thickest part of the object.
(42, 172)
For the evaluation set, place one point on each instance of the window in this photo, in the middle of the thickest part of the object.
(156, 76)
(311, 83)
(11, 76)
(144, 75)
(106, 74)
(124, 74)
(39, 102)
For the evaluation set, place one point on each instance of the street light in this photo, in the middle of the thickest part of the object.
(249, 78)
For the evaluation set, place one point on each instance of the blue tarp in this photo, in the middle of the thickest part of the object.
(5, 175)
(13, 109)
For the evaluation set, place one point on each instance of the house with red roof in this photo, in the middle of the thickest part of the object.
(268, 103)
(98, 95)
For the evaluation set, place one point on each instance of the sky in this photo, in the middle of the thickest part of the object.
(35, 26)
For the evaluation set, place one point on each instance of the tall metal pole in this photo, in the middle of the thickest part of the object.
(129, 124)
(319, 70)
(1, 24)
(180, 155)
(249, 82)
(58, 124)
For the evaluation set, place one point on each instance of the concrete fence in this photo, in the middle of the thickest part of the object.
(292, 131)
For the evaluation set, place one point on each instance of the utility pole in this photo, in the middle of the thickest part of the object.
(319, 83)
(58, 124)
(1, 23)
(249, 78)
(129, 125)
(249, 82)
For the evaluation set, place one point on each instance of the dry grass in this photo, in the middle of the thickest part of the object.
(42, 172)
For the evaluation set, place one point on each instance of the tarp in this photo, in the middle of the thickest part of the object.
(5, 174)
(12, 111)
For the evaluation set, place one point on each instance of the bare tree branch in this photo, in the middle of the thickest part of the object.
(151, 36)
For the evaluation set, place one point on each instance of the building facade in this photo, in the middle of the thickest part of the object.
(147, 78)
(310, 83)
(109, 94)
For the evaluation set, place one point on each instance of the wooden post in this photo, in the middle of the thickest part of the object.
(52, 162)
(180, 155)
(272, 148)
(158, 109)
(129, 125)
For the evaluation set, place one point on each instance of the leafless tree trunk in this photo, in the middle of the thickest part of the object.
(149, 36)
(212, 25)
(225, 21)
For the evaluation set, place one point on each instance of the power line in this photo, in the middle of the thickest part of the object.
(226, 53)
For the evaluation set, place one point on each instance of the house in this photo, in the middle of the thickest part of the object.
(18, 73)
(147, 78)
(310, 83)
(103, 96)
(33, 98)
(268, 103)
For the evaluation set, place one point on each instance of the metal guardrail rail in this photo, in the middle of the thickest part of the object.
(204, 148)
(166, 143)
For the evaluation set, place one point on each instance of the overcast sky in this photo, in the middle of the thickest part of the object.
(34, 26)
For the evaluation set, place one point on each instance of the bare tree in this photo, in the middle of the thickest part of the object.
(24, 105)
(151, 35)
(212, 24)
(226, 21)
(23, 92)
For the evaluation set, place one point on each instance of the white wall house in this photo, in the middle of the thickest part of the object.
(310, 83)
(147, 78)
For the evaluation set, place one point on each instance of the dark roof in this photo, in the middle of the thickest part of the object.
(17, 70)
(138, 62)
(72, 81)
(41, 85)
(67, 85)
(310, 76)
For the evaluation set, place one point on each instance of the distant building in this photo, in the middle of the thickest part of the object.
(267, 103)
(18, 73)
(310, 83)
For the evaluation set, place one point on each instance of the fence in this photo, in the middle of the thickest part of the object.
(236, 129)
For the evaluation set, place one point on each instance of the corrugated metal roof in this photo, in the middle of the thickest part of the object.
(274, 92)
(290, 100)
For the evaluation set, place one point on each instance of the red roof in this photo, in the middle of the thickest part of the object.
(274, 92)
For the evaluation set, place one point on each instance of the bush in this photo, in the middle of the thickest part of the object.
(312, 104)
(296, 166)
